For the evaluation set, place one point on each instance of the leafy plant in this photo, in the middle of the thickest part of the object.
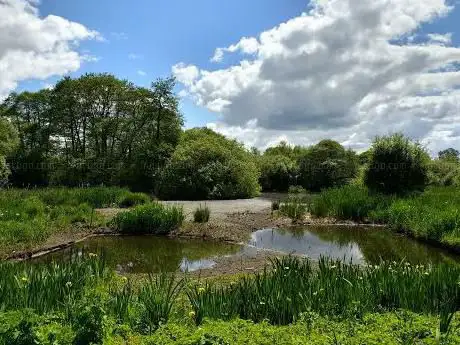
(397, 165)
(157, 297)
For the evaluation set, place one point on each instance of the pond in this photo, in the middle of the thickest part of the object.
(360, 245)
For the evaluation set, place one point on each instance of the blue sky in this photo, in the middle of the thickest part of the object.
(163, 33)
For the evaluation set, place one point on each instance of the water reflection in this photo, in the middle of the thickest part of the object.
(353, 244)
(149, 254)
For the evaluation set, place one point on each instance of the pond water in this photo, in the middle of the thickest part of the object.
(360, 245)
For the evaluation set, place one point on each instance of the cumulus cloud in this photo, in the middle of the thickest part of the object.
(34, 47)
(245, 45)
(340, 70)
(141, 73)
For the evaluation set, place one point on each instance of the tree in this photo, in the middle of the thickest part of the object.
(327, 164)
(278, 172)
(206, 165)
(397, 165)
(96, 129)
(450, 155)
(8, 143)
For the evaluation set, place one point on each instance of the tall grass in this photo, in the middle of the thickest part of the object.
(352, 202)
(130, 199)
(151, 218)
(294, 207)
(433, 215)
(157, 298)
(30, 216)
(292, 287)
(202, 214)
(46, 288)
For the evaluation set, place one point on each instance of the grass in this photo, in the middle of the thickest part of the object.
(28, 217)
(290, 302)
(202, 214)
(130, 199)
(46, 288)
(351, 202)
(151, 218)
(335, 289)
(294, 207)
(433, 215)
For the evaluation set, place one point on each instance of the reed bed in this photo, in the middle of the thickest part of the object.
(46, 288)
(151, 218)
(291, 287)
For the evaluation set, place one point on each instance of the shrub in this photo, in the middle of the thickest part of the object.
(133, 199)
(201, 214)
(275, 205)
(294, 207)
(397, 165)
(206, 165)
(91, 326)
(296, 190)
(151, 218)
(327, 164)
(278, 172)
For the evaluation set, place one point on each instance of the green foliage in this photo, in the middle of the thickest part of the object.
(94, 130)
(133, 199)
(327, 164)
(91, 326)
(433, 215)
(296, 190)
(444, 173)
(353, 202)
(45, 288)
(293, 287)
(449, 155)
(30, 216)
(276, 205)
(397, 165)
(202, 214)
(278, 172)
(151, 218)
(157, 297)
(294, 207)
(206, 165)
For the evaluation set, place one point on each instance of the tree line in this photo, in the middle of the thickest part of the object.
(100, 130)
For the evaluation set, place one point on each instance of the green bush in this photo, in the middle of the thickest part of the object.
(327, 164)
(151, 218)
(133, 199)
(206, 165)
(278, 172)
(397, 165)
(296, 190)
(202, 214)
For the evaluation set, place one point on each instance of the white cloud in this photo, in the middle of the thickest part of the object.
(141, 73)
(185, 74)
(443, 39)
(334, 72)
(133, 56)
(245, 45)
(35, 47)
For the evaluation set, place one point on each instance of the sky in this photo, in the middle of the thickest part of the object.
(260, 71)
